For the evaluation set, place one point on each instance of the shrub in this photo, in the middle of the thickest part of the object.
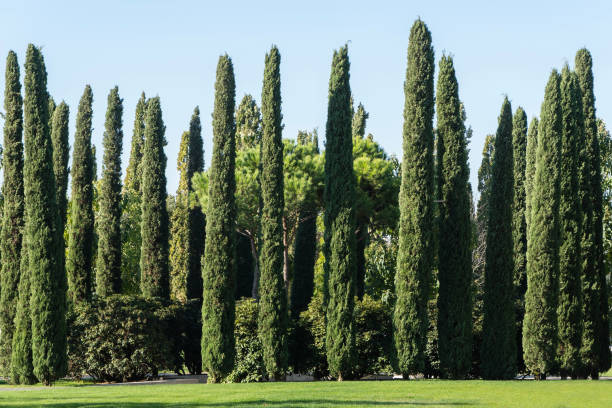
(127, 338)
(249, 366)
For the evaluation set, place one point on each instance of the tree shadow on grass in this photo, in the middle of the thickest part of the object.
(237, 404)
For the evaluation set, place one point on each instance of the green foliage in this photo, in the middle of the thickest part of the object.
(416, 224)
(359, 122)
(540, 324)
(133, 173)
(219, 270)
(249, 365)
(11, 233)
(455, 229)
(154, 277)
(108, 261)
(339, 197)
(498, 351)
(79, 262)
(519, 225)
(47, 280)
(530, 162)
(126, 338)
(61, 154)
(595, 353)
(272, 321)
(569, 312)
(248, 124)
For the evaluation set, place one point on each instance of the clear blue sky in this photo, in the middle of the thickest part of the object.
(170, 49)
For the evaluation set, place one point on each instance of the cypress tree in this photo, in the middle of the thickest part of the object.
(108, 261)
(358, 131)
(154, 278)
(219, 269)
(61, 154)
(22, 370)
(540, 323)
(530, 160)
(52, 107)
(519, 224)
(339, 197)
(179, 245)
(498, 352)
(455, 252)
(248, 123)
(416, 247)
(79, 261)
(197, 220)
(133, 173)
(569, 312)
(272, 322)
(595, 353)
(13, 211)
(48, 283)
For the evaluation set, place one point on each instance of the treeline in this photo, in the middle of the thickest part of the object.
(356, 263)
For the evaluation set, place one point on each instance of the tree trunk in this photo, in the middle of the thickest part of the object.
(255, 288)
(285, 255)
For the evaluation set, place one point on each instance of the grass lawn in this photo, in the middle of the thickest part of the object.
(434, 393)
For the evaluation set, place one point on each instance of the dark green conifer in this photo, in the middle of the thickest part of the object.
(272, 322)
(197, 220)
(47, 281)
(415, 255)
(219, 269)
(13, 211)
(22, 370)
(540, 323)
(154, 268)
(455, 249)
(108, 261)
(133, 173)
(498, 352)
(339, 198)
(358, 125)
(530, 160)
(79, 260)
(519, 225)
(569, 312)
(595, 353)
(61, 154)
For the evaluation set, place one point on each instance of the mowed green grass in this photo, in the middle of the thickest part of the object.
(434, 393)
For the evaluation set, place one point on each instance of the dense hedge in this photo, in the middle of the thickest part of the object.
(127, 338)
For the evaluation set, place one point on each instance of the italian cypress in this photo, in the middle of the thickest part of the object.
(133, 173)
(154, 277)
(219, 269)
(519, 225)
(455, 226)
(61, 154)
(197, 220)
(272, 322)
(179, 244)
(108, 261)
(569, 312)
(358, 131)
(530, 161)
(13, 211)
(22, 370)
(498, 352)
(52, 107)
(339, 219)
(47, 281)
(415, 255)
(79, 261)
(540, 323)
(595, 353)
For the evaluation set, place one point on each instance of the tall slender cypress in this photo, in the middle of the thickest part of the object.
(519, 224)
(498, 352)
(13, 213)
(133, 173)
(108, 261)
(595, 351)
(48, 284)
(272, 322)
(415, 253)
(79, 262)
(22, 369)
(530, 161)
(569, 312)
(339, 197)
(455, 226)
(540, 323)
(197, 220)
(360, 118)
(61, 153)
(155, 276)
(219, 269)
